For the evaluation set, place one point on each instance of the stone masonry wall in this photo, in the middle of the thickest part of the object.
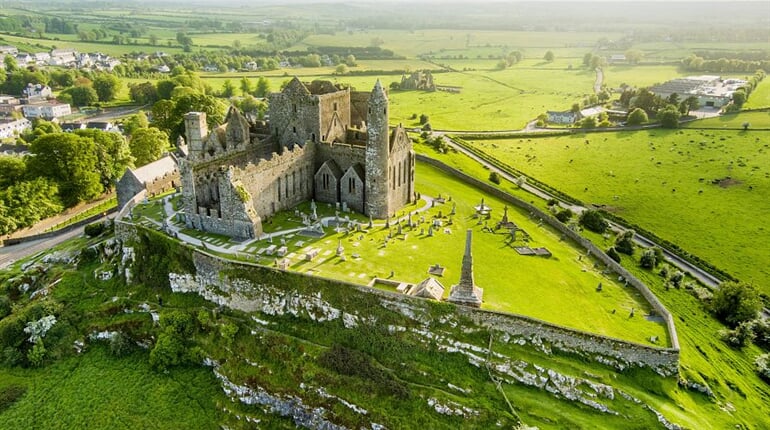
(215, 280)
(562, 228)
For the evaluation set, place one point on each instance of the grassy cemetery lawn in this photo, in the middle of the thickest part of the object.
(705, 190)
(559, 289)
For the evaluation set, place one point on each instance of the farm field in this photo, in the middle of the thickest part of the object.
(705, 190)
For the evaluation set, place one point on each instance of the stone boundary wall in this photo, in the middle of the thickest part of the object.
(211, 283)
(562, 228)
(126, 230)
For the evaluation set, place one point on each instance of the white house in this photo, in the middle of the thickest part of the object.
(47, 110)
(13, 127)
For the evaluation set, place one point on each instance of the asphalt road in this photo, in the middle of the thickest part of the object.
(9, 254)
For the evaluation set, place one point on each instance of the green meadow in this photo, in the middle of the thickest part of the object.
(705, 190)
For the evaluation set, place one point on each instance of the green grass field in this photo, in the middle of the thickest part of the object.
(662, 180)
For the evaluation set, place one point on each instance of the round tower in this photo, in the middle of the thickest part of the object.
(377, 154)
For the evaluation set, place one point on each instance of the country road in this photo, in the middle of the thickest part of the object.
(9, 254)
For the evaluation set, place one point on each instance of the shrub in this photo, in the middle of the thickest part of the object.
(625, 242)
(351, 362)
(564, 215)
(424, 119)
(648, 260)
(613, 254)
(637, 116)
(494, 177)
(95, 229)
(740, 336)
(10, 395)
(677, 278)
(168, 352)
(593, 221)
(177, 322)
(735, 302)
(763, 366)
(762, 332)
(228, 332)
(36, 355)
(552, 202)
(120, 345)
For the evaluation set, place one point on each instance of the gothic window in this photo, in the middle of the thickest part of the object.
(293, 183)
(294, 129)
(335, 106)
(279, 189)
(399, 174)
(351, 185)
(312, 137)
(294, 107)
(286, 186)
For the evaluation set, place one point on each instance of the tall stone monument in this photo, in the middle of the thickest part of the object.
(466, 292)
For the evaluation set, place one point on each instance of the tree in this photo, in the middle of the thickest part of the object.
(613, 254)
(762, 364)
(350, 60)
(135, 122)
(494, 177)
(228, 89)
(625, 242)
(735, 302)
(648, 260)
(739, 97)
(71, 161)
(593, 221)
(251, 104)
(112, 153)
(637, 116)
(342, 69)
(83, 96)
(587, 59)
(106, 86)
(10, 64)
(688, 104)
(588, 122)
(424, 119)
(549, 57)
(164, 88)
(12, 170)
(263, 87)
(633, 56)
(153, 39)
(669, 117)
(143, 93)
(245, 86)
(646, 100)
(746, 126)
(564, 215)
(147, 144)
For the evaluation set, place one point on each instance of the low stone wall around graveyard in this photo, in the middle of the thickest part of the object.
(253, 288)
(572, 235)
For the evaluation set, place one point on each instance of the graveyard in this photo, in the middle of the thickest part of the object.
(523, 266)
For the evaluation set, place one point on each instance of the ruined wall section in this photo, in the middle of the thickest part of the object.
(359, 105)
(280, 182)
(294, 115)
(334, 115)
(402, 165)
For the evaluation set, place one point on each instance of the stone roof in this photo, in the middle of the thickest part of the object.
(430, 288)
(156, 169)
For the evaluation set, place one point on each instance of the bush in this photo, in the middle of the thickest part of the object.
(740, 337)
(36, 355)
(424, 119)
(625, 242)
(176, 322)
(677, 278)
(735, 302)
(494, 177)
(10, 395)
(564, 215)
(648, 260)
(637, 116)
(593, 221)
(228, 332)
(763, 366)
(613, 254)
(95, 229)
(762, 332)
(168, 352)
(120, 345)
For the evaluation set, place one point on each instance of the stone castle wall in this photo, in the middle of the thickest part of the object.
(217, 280)
(281, 182)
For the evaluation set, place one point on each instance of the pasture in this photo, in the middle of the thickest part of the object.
(705, 190)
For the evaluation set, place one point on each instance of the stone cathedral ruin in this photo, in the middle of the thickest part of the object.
(321, 141)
